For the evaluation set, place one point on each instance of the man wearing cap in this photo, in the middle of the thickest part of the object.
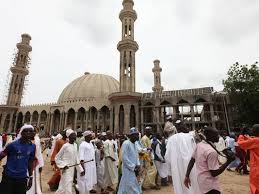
(130, 165)
(179, 151)
(80, 137)
(54, 180)
(111, 170)
(151, 171)
(169, 128)
(20, 156)
(66, 160)
(87, 153)
(38, 164)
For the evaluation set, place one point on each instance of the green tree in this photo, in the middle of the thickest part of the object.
(242, 86)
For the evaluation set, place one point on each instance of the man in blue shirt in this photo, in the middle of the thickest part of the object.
(20, 156)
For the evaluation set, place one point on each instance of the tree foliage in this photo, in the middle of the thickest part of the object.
(242, 86)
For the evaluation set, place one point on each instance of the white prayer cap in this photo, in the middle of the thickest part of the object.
(148, 127)
(87, 133)
(59, 136)
(69, 132)
(178, 121)
(26, 126)
(103, 133)
(168, 117)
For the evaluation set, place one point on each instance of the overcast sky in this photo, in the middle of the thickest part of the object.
(195, 40)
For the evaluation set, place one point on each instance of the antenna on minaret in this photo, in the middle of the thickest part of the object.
(157, 77)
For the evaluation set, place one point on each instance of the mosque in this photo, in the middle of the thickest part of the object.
(101, 102)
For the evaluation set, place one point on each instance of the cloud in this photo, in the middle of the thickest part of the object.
(92, 19)
(233, 20)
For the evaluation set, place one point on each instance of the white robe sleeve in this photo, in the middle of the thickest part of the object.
(81, 152)
(158, 152)
(126, 158)
(79, 168)
(39, 155)
(59, 158)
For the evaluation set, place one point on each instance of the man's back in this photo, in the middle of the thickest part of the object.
(252, 144)
(206, 159)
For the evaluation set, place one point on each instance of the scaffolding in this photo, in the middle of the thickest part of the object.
(8, 79)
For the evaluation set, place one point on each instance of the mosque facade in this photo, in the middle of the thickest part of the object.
(101, 102)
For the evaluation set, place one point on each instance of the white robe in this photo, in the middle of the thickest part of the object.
(67, 156)
(221, 145)
(162, 168)
(36, 186)
(86, 183)
(179, 151)
(111, 170)
(99, 169)
(130, 159)
(116, 152)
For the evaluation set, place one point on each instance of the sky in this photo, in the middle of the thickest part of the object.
(195, 40)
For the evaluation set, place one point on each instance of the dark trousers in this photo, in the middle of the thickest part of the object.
(13, 186)
(213, 192)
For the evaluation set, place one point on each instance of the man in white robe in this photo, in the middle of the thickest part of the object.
(169, 128)
(111, 170)
(179, 151)
(66, 157)
(36, 184)
(87, 153)
(161, 165)
(99, 158)
(220, 146)
(130, 165)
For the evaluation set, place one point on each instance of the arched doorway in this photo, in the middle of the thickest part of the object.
(148, 113)
(80, 123)
(7, 122)
(132, 116)
(104, 118)
(27, 118)
(71, 118)
(121, 119)
(56, 121)
(43, 120)
(19, 120)
(93, 118)
(35, 117)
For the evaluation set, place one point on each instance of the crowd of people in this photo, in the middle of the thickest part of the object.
(90, 162)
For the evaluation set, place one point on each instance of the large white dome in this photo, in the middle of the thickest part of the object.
(89, 87)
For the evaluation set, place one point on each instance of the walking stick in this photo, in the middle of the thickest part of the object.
(40, 182)
(35, 181)
(81, 163)
(77, 164)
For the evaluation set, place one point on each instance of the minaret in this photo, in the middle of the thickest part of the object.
(127, 47)
(19, 71)
(157, 77)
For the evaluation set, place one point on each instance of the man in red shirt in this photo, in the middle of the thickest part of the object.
(252, 144)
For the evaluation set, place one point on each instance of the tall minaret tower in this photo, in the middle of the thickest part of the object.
(157, 77)
(127, 47)
(19, 71)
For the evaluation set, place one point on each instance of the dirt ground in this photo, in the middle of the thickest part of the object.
(231, 182)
